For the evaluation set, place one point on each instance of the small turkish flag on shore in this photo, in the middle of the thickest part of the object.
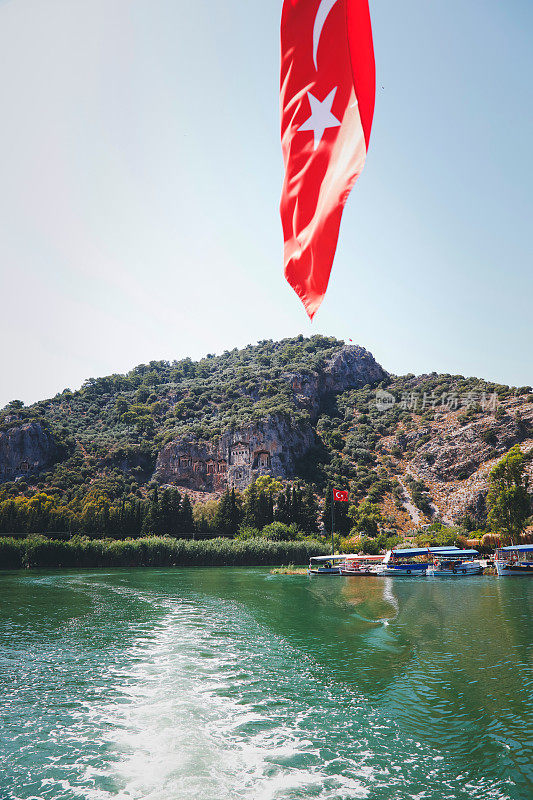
(327, 105)
(341, 495)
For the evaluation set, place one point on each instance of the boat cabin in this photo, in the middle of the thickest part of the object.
(325, 565)
(412, 560)
(455, 562)
(516, 559)
(361, 565)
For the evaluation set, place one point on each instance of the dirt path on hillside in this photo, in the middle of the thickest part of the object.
(434, 507)
(408, 504)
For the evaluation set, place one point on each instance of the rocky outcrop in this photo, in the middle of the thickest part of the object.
(455, 459)
(270, 447)
(349, 368)
(456, 453)
(25, 449)
(456, 499)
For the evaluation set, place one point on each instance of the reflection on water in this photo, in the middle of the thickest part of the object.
(374, 596)
(234, 683)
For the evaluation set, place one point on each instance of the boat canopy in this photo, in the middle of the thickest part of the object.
(519, 548)
(329, 558)
(362, 557)
(421, 551)
(457, 554)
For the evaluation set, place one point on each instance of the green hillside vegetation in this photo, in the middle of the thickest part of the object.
(109, 432)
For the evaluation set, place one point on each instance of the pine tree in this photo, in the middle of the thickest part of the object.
(164, 524)
(297, 507)
(235, 512)
(251, 506)
(310, 512)
(152, 520)
(222, 513)
(284, 509)
(187, 522)
(264, 510)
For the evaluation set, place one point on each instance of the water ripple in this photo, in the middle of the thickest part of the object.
(176, 690)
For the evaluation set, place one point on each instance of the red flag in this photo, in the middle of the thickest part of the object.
(327, 105)
(340, 495)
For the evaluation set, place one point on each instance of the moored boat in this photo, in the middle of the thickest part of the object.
(514, 560)
(325, 565)
(455, 563)
(361, 565)
(412, 561)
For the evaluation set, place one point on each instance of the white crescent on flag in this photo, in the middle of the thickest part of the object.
(341, 495)
(320, 20)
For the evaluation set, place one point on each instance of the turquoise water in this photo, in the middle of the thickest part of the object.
(222, 684)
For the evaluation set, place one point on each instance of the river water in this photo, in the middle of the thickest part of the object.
(222, 684)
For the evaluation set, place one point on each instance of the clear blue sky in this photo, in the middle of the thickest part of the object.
(140, 175)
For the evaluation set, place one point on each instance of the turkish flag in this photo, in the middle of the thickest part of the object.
(327, 104)
(341, 495)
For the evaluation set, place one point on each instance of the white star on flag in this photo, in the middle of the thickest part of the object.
(321, 117)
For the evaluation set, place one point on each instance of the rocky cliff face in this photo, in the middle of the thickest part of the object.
(350, 368)
(454, 460)
(455, 453)
(25, 449)
(270, 447)
(273, 446)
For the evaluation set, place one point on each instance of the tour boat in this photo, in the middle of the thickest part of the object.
(455, 563)
(361, 565)
(402, 562)
(325, 565)
(514, 560)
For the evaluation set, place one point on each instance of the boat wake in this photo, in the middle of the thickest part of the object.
(213, 707)
(174, 692)
(198, 718)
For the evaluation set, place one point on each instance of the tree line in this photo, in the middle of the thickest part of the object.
(166, 512)
(267, 508)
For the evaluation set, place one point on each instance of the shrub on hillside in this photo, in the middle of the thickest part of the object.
(279, 532)
(440, 535)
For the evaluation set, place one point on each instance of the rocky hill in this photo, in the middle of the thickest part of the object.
(315, 410)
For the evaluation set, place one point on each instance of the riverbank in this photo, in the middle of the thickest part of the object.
(152, 551)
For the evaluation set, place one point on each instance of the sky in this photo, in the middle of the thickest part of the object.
(141, 170)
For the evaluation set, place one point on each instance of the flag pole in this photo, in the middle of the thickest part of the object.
(332, 520)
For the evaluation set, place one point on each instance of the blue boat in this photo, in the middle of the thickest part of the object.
(514, 560)
(412, 561)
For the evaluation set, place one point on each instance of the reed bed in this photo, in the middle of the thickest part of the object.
(152, 551)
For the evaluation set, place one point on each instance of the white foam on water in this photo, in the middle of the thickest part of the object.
(191, 723)
(209, 704)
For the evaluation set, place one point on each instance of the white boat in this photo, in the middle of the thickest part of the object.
(361, 565)
(325, 565)
(412, 561)
(514, 560)
(456, 563)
